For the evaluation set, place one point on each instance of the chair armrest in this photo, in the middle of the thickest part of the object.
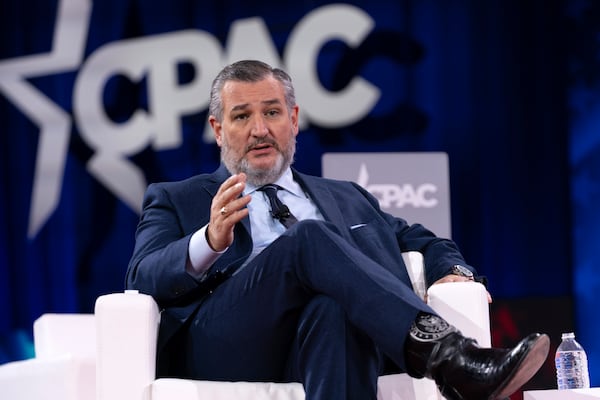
(464, 305)
(416, 271)
(127, 331)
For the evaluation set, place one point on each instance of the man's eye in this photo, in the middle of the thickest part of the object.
(240, 117)
(272, 113)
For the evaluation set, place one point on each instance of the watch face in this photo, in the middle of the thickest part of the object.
(462, 271)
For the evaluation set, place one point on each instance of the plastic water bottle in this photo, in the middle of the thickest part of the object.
(571, 364)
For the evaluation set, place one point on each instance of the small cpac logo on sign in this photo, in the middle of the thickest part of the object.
(396, 195)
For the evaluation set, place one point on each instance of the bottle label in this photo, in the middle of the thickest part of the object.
(571, 370)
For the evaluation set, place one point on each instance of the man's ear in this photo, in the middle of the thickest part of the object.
(294, 116)
(217, 129)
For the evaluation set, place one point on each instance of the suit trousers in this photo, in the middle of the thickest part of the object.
(311, 308)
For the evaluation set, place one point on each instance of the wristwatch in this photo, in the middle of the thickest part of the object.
(461, 270)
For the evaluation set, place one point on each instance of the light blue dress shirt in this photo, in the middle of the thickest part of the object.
(264, 228)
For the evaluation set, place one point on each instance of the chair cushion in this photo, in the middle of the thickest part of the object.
(66, 377)
(402, 386)
(184, 389)
(399, 386)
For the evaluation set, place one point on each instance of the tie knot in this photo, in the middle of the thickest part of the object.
(270, 189)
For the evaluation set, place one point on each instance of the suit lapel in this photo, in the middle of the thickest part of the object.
(216, 179)
(322, 196)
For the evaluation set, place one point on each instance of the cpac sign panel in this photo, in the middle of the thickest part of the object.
(154, 61)
(413, 186)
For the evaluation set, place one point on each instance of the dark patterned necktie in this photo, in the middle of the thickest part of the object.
(278, 210)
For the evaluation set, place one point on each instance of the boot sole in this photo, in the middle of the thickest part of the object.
(528, 367)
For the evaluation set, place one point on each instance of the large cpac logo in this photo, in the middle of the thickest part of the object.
(155, 60)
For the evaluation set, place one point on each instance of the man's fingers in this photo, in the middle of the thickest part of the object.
(232, 187)
(224, 201)
(234, 206)
(227, 209)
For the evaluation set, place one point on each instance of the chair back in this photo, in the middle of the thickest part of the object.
(55, 335)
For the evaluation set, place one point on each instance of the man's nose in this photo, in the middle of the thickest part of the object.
(259, 126)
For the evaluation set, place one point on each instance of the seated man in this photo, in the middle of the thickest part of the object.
(313, 291)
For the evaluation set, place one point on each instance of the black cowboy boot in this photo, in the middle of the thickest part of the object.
(464, 371)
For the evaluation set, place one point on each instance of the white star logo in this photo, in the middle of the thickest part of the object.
(156, 60)
(68, 46)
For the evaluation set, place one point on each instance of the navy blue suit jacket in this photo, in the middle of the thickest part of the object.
(173, 211)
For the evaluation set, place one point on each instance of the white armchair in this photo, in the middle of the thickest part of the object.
(111, 355)
(64, 367)
(127, 329)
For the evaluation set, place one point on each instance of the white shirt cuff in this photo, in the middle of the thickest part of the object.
(201, 255)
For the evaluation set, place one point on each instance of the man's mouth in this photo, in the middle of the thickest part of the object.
(263, 146)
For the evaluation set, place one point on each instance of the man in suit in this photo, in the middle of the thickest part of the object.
(313, 291)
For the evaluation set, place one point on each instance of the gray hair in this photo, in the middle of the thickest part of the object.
(248, 71)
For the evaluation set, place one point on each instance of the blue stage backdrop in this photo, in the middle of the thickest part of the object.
(584, 157)
(100, 99)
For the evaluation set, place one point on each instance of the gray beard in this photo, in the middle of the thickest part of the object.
(257, 176)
